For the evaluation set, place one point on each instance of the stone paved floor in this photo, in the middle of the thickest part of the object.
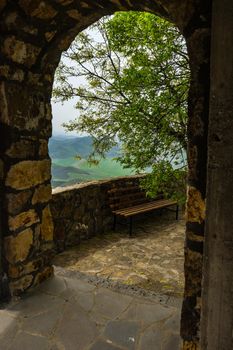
(152, 260)
(74, 310)
(66, 313)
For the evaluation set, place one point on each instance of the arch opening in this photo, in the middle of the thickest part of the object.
(93, 56)
(30, 57)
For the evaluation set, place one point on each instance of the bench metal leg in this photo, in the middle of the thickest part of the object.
(130, 226)
(177, 212)
(114, 222)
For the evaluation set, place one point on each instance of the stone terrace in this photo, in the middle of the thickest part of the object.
(152, 260)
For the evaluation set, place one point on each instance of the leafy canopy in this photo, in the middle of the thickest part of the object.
(136, 72)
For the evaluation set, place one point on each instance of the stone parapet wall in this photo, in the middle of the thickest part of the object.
(81, 211)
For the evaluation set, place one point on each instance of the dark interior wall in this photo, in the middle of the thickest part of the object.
(217, 315)
(198, 44)
(2, 296)
(33, 36)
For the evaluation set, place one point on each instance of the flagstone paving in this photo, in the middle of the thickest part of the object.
(110, 293)
(71, 314)
(152, 260)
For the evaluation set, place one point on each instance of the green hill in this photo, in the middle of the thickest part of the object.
(63, 147)
(67, 170)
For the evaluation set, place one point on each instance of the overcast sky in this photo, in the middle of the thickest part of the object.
(66, 112)
(61, 114)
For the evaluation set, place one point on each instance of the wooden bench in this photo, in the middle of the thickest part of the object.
(131, 200)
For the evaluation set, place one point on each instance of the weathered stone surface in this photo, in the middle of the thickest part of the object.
(13, 74)
(79, 285)
(104, 345)
(27, 174)
(64, 2)
(194, 262)
(22, 149)
(46, 247)
(30, 111)
(25, 219)
(196, 206)
(43, 276)
(80, 211)
(43, 150)
(148, 314)
(3, 103)
(67, 329)
(191, 345)
(37, 237)
(172, 342)
(49, 35)
(52, 313)
(74, 14)
(9, 326)
(20, 52)
(17, 248)
(43, 324)
(29, 341)
(38, 8)
(54, 286)
(16, 271)
(151, 336)
(42, 194)
(196, 238)
(21, 284)
(15, 202)
(47, 225)
(37, 303)
(123, 333)
(107, 305)
(14, 21)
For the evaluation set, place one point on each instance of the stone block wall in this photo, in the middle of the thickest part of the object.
(81, 211)
(33, 35)
(28, 240)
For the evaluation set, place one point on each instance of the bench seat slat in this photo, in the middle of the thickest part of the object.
(156, 203)
(142, 208)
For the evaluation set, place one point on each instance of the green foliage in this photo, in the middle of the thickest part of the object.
(136, 70)
(167, 180)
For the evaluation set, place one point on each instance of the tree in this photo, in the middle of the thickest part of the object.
(136, 74)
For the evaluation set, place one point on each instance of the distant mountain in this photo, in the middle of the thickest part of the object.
(66, 170)
(63, 147)
(62, 172)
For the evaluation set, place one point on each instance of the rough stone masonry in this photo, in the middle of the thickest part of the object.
(34, 33)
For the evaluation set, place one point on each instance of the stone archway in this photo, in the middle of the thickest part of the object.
(33, 35)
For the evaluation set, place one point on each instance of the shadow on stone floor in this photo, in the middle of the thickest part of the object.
(70, 314)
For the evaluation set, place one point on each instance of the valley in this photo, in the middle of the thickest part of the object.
(68, 170)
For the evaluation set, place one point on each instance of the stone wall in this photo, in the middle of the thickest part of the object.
(26, 219)
(81, 211)
(34, 34)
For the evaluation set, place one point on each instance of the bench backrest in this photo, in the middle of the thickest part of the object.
(127, 196)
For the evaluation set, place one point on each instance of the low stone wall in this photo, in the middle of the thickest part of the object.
(82, 211)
